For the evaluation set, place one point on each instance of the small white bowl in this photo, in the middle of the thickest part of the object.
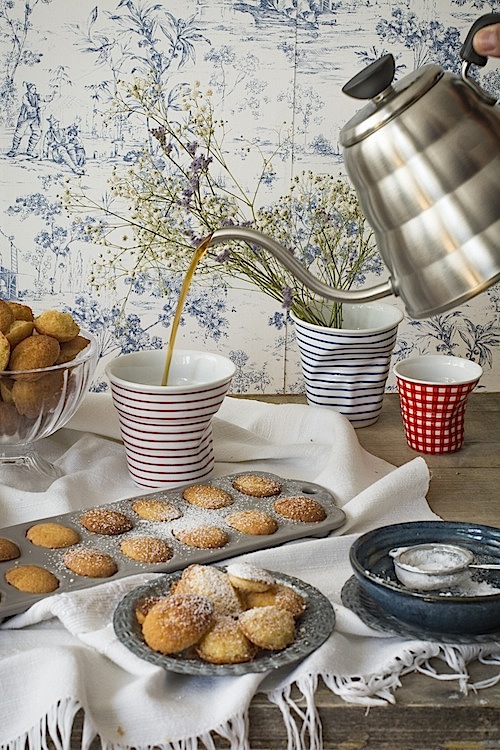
(431, 567)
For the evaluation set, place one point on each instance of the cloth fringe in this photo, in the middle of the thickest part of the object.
(300, 715)
(377, 690)
(303, 725)
(57, 728)
(235, 731)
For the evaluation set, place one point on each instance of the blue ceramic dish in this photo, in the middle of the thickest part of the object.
(442, 612)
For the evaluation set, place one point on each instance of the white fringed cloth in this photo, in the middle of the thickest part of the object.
(62, 655)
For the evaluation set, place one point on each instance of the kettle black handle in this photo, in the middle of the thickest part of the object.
(468, 52)
(372, 80)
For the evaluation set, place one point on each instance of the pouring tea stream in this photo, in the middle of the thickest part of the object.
(197, 256)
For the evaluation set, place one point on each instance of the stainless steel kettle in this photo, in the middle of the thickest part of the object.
(424, 158)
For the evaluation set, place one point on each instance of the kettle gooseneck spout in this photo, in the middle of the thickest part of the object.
(423, 155)
(285, 257)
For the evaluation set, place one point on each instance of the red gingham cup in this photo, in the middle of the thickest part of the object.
(433, 392)
(167, 430)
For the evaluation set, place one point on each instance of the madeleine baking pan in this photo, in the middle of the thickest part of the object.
(13, 601)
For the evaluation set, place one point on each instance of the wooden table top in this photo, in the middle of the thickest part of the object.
(465, 486)
(428, 714)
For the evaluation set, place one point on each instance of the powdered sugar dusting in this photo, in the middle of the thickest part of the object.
(162, 515)
(468, 587)
(212, 583)
(250, 572)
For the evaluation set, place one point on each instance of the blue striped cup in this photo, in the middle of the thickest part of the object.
(347, 368)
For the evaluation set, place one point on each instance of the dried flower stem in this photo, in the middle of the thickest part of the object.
(182, 188)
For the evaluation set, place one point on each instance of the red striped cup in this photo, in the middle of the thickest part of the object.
(433, 392)
(167, 430)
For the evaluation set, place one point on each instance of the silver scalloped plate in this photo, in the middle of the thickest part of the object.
(312, 629)
(357, 600)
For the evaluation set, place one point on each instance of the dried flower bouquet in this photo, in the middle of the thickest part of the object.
(182, 187)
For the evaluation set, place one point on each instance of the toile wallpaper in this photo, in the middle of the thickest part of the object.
(273, 66)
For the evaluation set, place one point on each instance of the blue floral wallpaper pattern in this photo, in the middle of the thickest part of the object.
(273, 66)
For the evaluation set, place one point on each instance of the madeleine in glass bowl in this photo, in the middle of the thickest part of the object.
(46, 365)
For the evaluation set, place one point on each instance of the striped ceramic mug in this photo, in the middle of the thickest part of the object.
(167, 430)
(346, 368)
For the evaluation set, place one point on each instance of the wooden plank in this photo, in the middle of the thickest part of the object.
(465, 486)
(428, 714)
(481, 446)
(463, 494)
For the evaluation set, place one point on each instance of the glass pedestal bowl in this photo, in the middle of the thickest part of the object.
(34, 405)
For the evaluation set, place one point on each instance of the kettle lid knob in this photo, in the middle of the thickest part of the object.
(371, 81)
